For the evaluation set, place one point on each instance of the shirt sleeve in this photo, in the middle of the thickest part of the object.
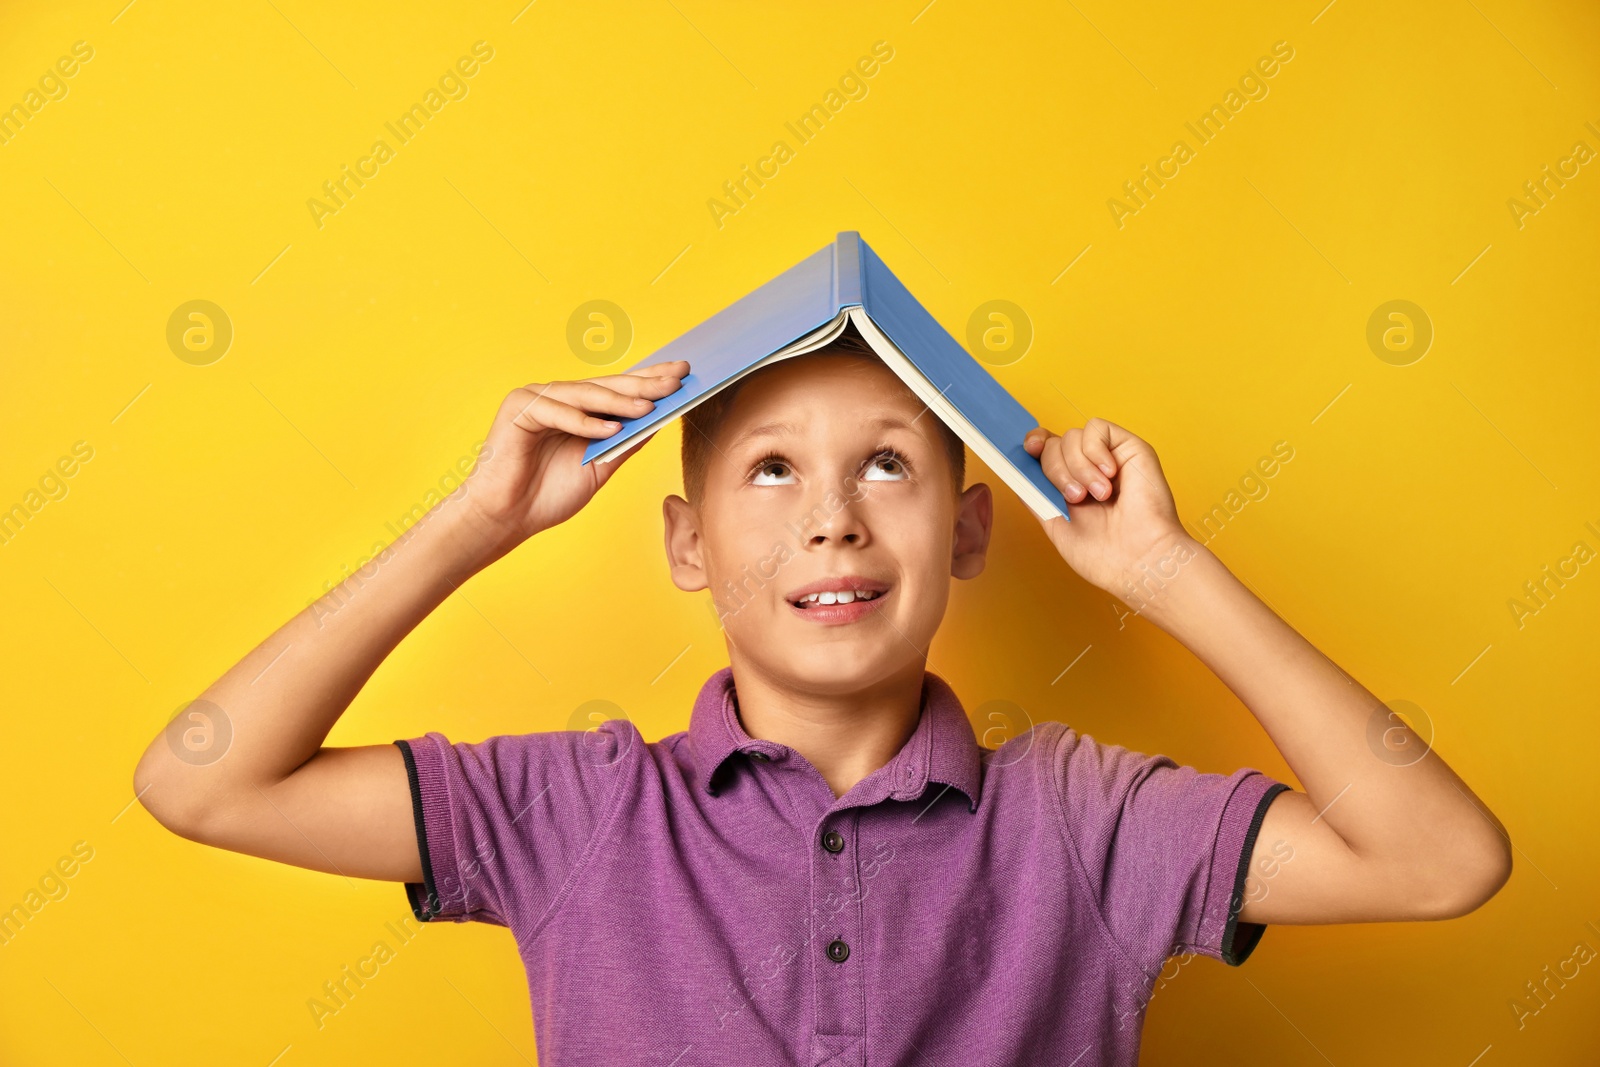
(503, 824)
(1165, 848)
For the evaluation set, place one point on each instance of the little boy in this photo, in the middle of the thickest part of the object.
(826, 868)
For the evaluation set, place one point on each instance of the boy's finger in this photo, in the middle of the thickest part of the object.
(1053, 461)
(1082, 469)
(675, 368)
(646, 385)
(1097, 446)
(543, 411)
(1034, 440)
(1052, 450)
(640, 383)
(601, 398)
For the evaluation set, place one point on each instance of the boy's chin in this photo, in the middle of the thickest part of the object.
(835, 671)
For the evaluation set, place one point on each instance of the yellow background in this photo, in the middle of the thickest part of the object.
(369, 355)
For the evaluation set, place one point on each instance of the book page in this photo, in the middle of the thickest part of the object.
(809, 343)
(932, 395)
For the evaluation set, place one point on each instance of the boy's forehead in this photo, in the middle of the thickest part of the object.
(819, 401)
(771, 402)
(877, 421)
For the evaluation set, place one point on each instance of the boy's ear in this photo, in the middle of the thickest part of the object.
(974, 519)
(683, 544)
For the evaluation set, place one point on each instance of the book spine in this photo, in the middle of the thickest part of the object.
(849, 275)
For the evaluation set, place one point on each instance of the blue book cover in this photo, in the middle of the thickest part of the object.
(810, 303)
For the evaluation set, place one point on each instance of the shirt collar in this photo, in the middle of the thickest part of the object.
(942, 749)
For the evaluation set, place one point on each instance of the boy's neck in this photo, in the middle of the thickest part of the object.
(845, 737)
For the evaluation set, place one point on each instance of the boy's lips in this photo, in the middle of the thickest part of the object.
(865, 595)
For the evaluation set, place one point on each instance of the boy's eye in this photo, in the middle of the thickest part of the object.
(885, 467)
(772, 472)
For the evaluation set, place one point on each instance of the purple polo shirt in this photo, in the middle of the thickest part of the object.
(705, 899)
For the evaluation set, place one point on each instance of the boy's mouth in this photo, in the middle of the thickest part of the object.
(838, 600)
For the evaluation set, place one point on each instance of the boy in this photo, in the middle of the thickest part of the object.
(826, 867)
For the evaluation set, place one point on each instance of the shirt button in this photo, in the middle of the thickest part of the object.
(833, 841)
(838, 951)
(760, 756)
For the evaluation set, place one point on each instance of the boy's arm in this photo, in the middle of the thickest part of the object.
(1370, 839)
(252, 774)
(268, 788)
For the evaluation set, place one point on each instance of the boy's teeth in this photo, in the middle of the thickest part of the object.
(843, 596)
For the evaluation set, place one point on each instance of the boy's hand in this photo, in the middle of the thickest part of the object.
(1123, 514)
(532, 475)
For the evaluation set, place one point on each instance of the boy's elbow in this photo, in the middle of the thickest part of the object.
(1474, 880)
(166, 803)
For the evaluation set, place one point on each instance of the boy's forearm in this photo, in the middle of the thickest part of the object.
(282, 700)
(1317, 715)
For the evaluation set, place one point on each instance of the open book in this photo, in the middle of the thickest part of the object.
(806, 307)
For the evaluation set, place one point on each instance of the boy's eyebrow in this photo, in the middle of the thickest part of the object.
(782, 429)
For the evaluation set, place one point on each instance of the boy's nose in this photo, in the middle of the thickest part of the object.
(838, 522)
